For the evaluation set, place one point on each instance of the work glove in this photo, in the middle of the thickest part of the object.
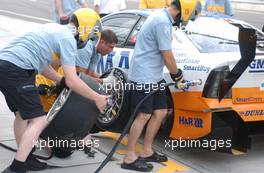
(60, 86)
(178, 79)
(44, 89)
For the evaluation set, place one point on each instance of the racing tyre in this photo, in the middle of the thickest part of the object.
(117, 113)
(71, 118)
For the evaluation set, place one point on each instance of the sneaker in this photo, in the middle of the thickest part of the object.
(33, 164)
(8, 170)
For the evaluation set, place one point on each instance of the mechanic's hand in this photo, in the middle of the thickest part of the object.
(60, 86)
(178, 76)
(110, 80)
(101, 102)
(44, 89)
(64, 19)
(63, 84)
(180, 84)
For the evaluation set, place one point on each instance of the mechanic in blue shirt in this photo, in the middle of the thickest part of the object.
(89, 56)
(153, 50)
(86, 62)
(33, 53)
(218, 8)
(63, 9)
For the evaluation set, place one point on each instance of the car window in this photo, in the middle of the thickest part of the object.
(133, 36)
(211, 44)
(121, 26)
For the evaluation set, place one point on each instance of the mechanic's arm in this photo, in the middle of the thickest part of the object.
(90, 73)
(163, 34)
(97, 6)
(76, 84)
(175, 73)
(169, 61)
(60, 8)
(51, 74)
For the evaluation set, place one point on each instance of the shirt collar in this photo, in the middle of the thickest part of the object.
(168, 15)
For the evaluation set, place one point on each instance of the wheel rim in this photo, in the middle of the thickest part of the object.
(116, 102)
(58, 104)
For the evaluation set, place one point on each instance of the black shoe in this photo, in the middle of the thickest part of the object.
(8, 170)
(138, 165)
(155, 157)
(33, 164)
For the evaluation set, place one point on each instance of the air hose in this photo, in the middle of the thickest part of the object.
(127, 127)
(187, 84)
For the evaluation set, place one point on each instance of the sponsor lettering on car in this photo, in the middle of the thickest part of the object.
(190, 121)
(252, 113)
(257, 66)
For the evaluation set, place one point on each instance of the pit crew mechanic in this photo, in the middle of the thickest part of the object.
(152, 52)
(86, 62)
(32, 53)
(89, 57)
(154, 4)
(63, 9)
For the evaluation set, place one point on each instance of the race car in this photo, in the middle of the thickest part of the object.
(209, 52)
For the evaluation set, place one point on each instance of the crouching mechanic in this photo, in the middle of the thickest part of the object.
(33, 53)
(152, 52)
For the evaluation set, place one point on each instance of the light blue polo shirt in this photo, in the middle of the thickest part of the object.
(38, 48)
(87, 57)
(68, 6)
(155, 36)
(218, 8)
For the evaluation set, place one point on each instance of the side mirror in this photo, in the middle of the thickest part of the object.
(263, 28)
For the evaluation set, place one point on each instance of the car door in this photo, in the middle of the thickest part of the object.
(122, 25)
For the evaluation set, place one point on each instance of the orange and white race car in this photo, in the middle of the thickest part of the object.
(225, 82)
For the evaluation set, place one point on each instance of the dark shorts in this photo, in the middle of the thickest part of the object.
(20, 91)
(154, 102)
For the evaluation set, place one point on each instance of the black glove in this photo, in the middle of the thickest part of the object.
(60, 86)
(63, 84)
(44, 89)
(178, 76)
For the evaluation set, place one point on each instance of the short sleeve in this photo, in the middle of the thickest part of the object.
(68, 51)
(84, 56)
(142, 4)
(97, 2)
(228, 8)
(163, 34)
(94, 61)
